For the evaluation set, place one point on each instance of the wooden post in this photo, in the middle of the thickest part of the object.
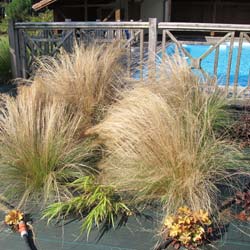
(141, 52)
(237, 69)
(230, 56)
(118, 10)
(46, 43)
(23, 60)
(14, 50)
(152, 45)
(69, 42)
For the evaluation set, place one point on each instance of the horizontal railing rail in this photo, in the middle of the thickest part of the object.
(216, 27)
(82, 25)
(223, 52)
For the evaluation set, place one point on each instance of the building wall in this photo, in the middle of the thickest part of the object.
(151, 8)
(211, 11)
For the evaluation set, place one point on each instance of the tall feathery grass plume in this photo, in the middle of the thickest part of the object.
(87, 79)
(161, 144)
(40, 148)
(45, 152)
(183, 89)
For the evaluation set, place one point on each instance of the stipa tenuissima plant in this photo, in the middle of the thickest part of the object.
(40, 148)
(161, 145)
(86, 79)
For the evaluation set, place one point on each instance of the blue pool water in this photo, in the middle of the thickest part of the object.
(207, 63)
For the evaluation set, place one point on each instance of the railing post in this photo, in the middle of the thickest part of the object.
(22, 54)
(14, 50)
(152, 45)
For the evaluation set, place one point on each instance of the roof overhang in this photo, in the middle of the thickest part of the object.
(42, 4)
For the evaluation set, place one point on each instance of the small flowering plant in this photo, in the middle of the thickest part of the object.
(13, 217)
(187, 228)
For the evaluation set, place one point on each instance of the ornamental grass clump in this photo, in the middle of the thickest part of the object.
(40, 148)
(183, 90)
(161, 144)
(45, 153)
(86, 79)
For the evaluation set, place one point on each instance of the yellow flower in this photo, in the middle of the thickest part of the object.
(184, 210)
(168, 222)
(174, 230)
(185, 238)
(202, 216)
(185, 220)
(13, 217)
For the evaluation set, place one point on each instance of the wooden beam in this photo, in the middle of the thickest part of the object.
(118, 10)
(42, 4)
(118, 14)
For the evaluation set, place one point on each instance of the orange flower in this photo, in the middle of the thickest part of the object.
(13, 217)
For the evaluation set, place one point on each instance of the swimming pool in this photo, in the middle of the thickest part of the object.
(207, 64)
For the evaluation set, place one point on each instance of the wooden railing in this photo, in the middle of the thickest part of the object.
(141, 40)
(31, 40)
(231, 34)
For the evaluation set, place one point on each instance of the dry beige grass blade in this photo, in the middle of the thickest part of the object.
(160, 142)
(86, 79)
(40, 147)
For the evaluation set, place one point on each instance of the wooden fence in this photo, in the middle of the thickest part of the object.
(31, 40)
(144, 41)
(232, 35)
